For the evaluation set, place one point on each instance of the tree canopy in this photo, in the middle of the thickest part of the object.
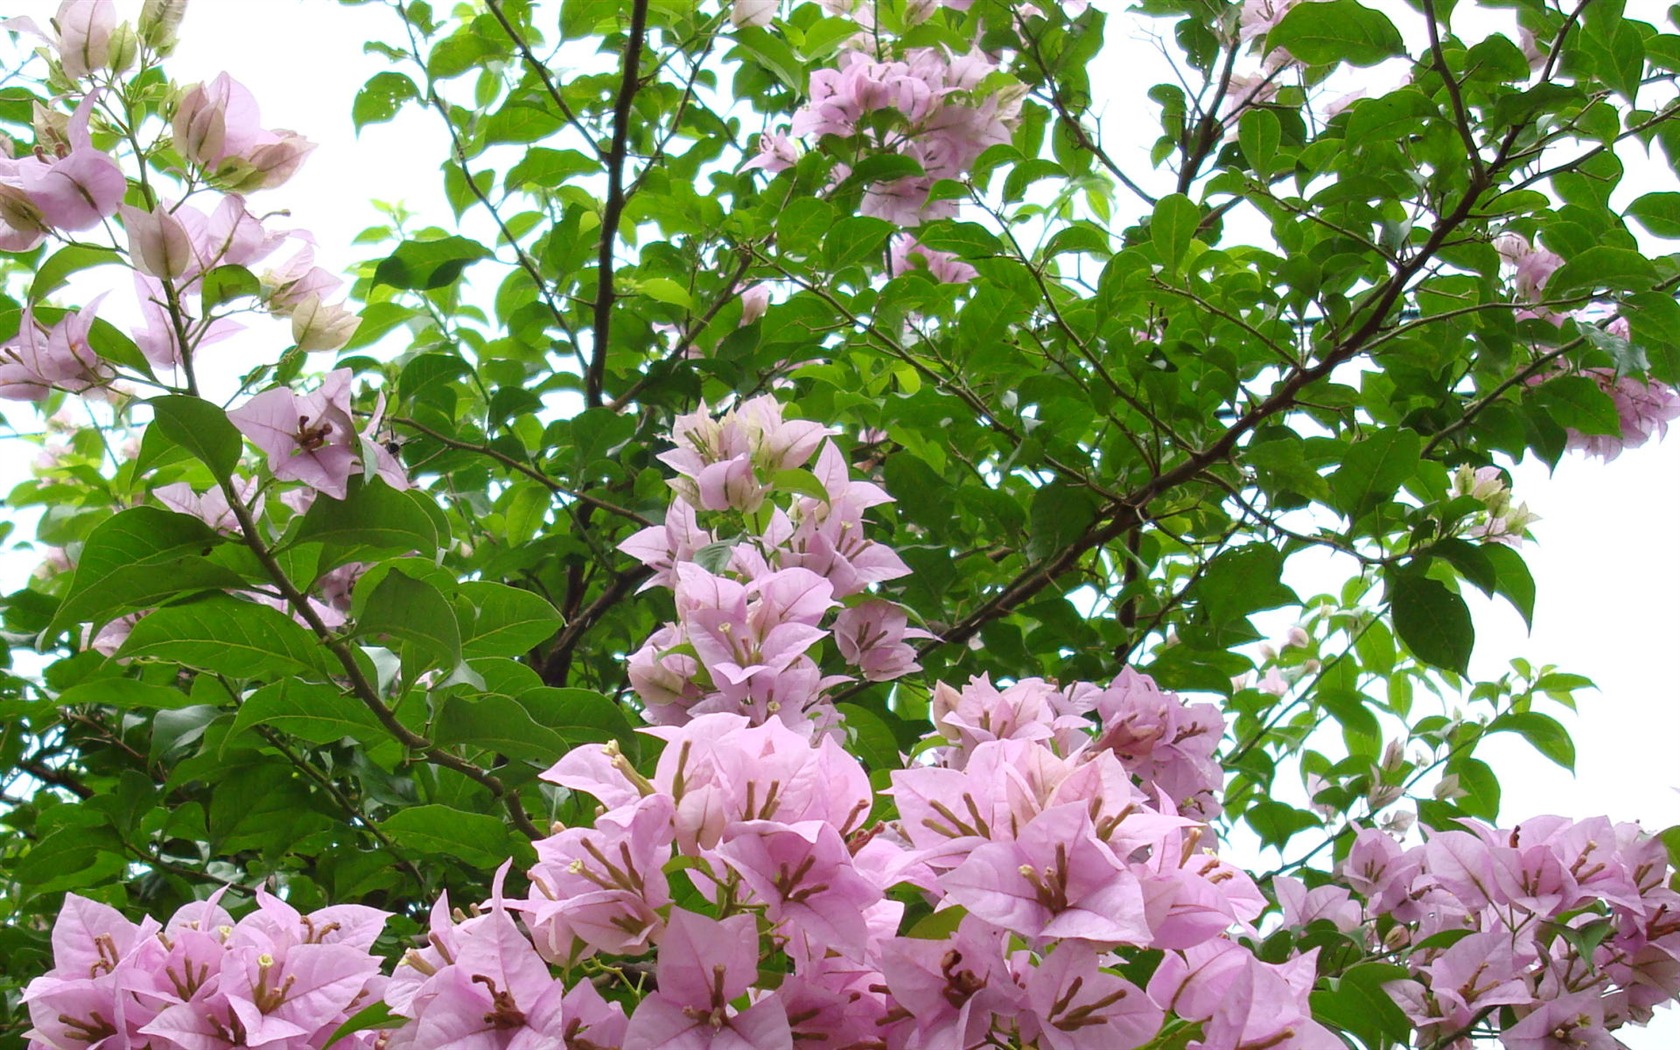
(820, 569)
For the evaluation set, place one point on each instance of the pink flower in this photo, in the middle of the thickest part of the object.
(74, 190)
(704, 965)
(908, 255)
(1644, 407)
(217, 125)
(871, 637)
(158, 245)
(752, 12)
(40, 360)
(311, 437)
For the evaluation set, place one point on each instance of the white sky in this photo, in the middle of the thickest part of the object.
(1607, 579)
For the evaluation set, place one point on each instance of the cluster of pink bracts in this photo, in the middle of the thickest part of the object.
(1049, 843)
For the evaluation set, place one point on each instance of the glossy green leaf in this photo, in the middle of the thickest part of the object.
(316, 712)
(201, 428)
(1172, 227)
(1337, 31)
(1432, 620)
(424, 265)
(225, 635)
(137, 559)
(506, 621)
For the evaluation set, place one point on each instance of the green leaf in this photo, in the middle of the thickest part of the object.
(855, 240)
(1541, 730)
(1373, 470)
(1383, 119)
(425, 265)
(315, 712)
(1172, 227)
(1658, 212)
(377, 319)
(1432, 620)
(1337, 31)
(1259, 132)
(474, 839)
(1277, 822)
(56, 270)
(136, 560)
(125, 694)
(1241, 581)
(1058, 516)
(507, 621)
(1471, 561)
(225, 635)
(381, 97)
(768, 50)
(799, 481)
(378, 1015)
(1356, 1003)
(1515, 583)
(227, 283)
(1602, 267)
(201, 428)
(499, 724)
(416, 614)
(580, 716)
(1580, 404)
(372, 519)
(665, 290)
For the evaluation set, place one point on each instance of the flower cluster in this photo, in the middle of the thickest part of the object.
(1571, 926)
(935, 108)
(202, 981)
(1644, 407)
(67, 185)
(746, 626)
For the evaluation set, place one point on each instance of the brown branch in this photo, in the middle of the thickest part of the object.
(613, 212)
(362, 688)
(557, 665)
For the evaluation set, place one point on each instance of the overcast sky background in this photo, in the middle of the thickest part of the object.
(1606, 560)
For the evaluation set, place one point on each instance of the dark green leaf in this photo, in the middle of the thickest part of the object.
(316, 712)
(1373, 470)
(1432, 620)
(1602, 267)
(227, 636)
(125, 694)
(1337, 31)
(507, 621)
(135, 560)
(1543, 731)
(201, 428)
(475, 839)
(416, 614)
(1356, 1003)
(1658, 212)
(1172, 227)
(424, 265)
(372, 519)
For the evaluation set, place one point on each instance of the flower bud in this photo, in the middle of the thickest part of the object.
(158, 245)
(752, 12)
(125, 47)
(266, 166)
(317, 326)
(160, 23)
(84, 35)
(201, 122)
